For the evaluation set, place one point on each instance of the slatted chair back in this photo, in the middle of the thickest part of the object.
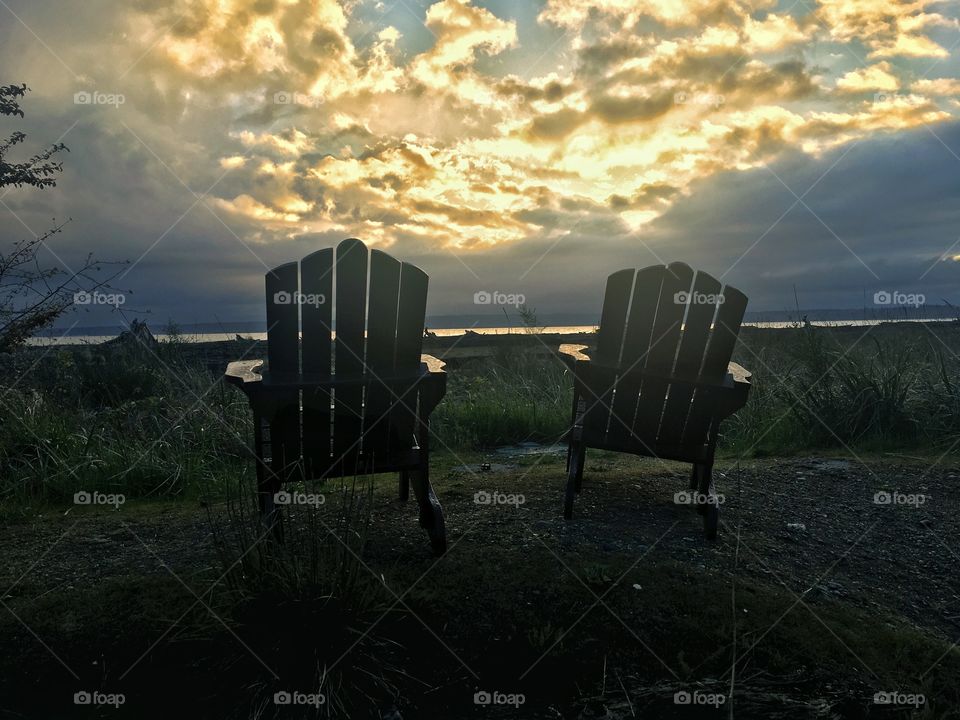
(352, 320)
(677, 326)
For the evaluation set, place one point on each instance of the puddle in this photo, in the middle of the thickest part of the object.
(530, 448)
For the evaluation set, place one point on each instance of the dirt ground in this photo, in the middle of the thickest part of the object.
(814, 526)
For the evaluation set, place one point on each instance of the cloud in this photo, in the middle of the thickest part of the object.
(475, 133)
(874, 77)
(461, 30)
(672, 13)
(937, 86)
(235, 44)
(888, 27)
(556, 125)
(614, 109)
(321, 135)
(774, 32)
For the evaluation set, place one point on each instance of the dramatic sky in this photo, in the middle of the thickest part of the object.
(522, 146)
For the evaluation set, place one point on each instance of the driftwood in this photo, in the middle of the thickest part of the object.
(137, 335)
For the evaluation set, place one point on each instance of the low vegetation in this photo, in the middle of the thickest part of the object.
(121, 419)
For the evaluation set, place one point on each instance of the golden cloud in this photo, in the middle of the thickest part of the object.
(321, 126)
(888, 27)
(875, 77)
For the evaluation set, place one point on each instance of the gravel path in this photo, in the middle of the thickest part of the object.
(810, 524)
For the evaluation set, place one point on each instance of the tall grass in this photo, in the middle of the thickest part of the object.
(883, 388)
(115, 419)
(309, 607)
(504, 400)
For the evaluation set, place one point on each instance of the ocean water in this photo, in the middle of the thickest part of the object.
(444, 332)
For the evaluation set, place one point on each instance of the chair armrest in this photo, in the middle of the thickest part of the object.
(739, 373)
(242, 372)
(571, 353)
(737, 388)
(434, 385)
(432, 364)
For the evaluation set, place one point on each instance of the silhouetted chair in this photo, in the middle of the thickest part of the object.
(661, 380)
(350, 398)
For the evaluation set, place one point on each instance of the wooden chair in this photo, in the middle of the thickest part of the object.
(661, 380)
(350, 398)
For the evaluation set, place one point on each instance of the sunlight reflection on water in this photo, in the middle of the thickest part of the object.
(448, 332)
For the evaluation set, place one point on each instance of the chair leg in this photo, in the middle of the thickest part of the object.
(404, 485)
(573, 425)
(580, 463)
(575, 450)
(431, 512)
(267, 485)
(574, 477)
(271, 516)
(707, 499)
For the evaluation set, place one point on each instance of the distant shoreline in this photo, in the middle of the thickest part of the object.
(561, 331)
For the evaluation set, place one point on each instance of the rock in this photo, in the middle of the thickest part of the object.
(487, 468)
